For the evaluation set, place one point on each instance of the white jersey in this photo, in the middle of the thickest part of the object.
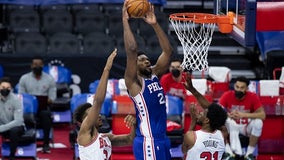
(208, 146)
(98, 149)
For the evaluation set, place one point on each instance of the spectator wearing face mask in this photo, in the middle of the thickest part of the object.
(43, 86)
(11, 115)
(245, 117)
(173, 81)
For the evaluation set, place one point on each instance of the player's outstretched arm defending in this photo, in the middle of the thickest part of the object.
(200, 98)
(88, 129)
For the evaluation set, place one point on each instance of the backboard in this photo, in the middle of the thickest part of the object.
(244, 27)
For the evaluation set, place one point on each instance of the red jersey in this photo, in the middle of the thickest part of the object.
(173, 87)
(248, 104)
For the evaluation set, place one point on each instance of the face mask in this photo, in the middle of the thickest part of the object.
(37, 70)
(239, 94)
(5, 92)
(176, 73)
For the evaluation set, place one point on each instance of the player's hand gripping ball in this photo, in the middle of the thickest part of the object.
(137, 8)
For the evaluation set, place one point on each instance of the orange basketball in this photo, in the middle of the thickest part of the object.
(137, 8)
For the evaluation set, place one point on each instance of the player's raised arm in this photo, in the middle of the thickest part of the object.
(88, 123)
(130, 45)
(200, 98)
(162, 63)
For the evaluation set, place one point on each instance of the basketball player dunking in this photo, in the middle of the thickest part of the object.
(141, 79)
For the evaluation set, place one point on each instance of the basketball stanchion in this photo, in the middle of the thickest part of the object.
(195, 31)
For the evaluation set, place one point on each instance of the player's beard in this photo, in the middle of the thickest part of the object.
(198, 122)
(146, 72)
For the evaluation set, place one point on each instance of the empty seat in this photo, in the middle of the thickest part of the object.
(12, 7)
(64, 43)
(87, 21)
(120, 44)
(111, 8)
(30, 43)
(54, 21)
(24, 21)
(153, 45)
(53, 7)
(174, 44)
(278, 73)
(98, 44)
(163, 19)
(83, 7)
(9, 8)
(115, 27)
(174, 120)
(146, 30)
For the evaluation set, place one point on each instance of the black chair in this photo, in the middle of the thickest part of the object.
(25, 20)
(97, 43)
(53, 7)
(120, 44)
(8, 8)
(111, 8)
(30, 43)
(54, 21)
(153, 45)
(74, 8)
(64, 43)
(87, 21)
(174, 44)
(27, 144)
(115, 27)
(146, 30)
(163, 19)
(11, 7)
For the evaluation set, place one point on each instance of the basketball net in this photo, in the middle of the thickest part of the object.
(195, 38)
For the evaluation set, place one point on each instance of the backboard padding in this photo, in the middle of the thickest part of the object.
(244, 20)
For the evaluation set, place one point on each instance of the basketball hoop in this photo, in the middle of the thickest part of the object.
(195, 31)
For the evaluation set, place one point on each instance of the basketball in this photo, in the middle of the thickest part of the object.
(137, 8)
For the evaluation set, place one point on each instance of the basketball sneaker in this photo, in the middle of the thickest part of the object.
(228, 156)
(249, 157)
(46, 148)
